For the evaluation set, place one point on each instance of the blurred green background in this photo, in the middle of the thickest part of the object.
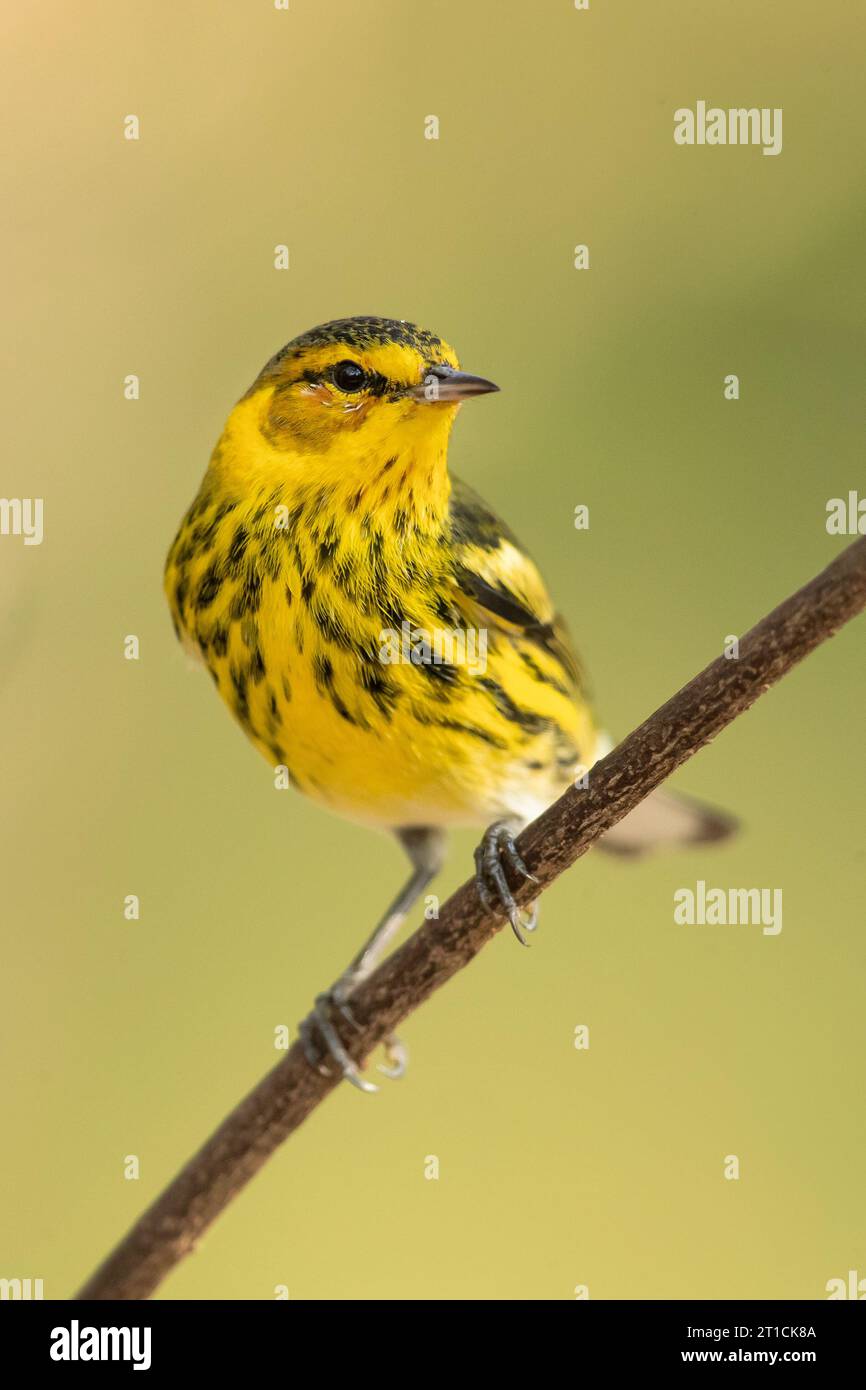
(558, 1167)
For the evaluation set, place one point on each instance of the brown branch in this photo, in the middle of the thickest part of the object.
(169, 1229)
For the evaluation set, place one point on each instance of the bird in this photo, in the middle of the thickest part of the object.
(381, 635)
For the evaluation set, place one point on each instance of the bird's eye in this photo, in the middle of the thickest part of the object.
(348, 376)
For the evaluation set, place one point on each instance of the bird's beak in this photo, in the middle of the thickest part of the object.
(443, 383)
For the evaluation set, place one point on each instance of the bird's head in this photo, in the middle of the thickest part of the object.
(355, 390)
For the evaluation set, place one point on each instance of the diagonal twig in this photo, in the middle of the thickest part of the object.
(170, 1227)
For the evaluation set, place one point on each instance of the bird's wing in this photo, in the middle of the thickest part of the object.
(497, 584)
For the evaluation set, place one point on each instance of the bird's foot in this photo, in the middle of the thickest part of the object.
(321, 1042)
(493, 890)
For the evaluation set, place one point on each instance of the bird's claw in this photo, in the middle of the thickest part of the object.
(397, 1057)
(321, 1043)
(493, 890)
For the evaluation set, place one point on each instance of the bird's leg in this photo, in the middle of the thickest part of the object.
(425, 846)
(493, 890)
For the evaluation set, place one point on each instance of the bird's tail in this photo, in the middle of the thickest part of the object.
(667, 819)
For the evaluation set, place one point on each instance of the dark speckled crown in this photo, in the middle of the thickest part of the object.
(368, 331)
(365, 331)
